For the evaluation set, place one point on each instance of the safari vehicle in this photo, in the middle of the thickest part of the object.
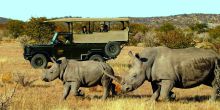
(89, 42)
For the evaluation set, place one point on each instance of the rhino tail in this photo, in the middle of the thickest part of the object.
(116, 78)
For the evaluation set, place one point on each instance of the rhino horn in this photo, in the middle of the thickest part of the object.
(53, 60)
(116, 78)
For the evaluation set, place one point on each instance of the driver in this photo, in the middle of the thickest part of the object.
(58, 41)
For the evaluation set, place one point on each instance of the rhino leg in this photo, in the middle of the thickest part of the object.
(156, 91)
(166, 87)
(75, 89)
(215, 91)
(66, 90)
(172, 95)
(106, 83)
(113, 89)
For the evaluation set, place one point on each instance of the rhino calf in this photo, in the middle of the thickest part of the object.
(76, 74)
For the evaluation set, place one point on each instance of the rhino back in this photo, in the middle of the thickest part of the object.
(88, 73)
(189, 67)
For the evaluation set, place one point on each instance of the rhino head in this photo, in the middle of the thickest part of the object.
(55, 71)
(136, 76)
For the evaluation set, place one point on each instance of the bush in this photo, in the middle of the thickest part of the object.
(137, 32)
(175, 39)
(150, 39)
(16, 28)
(6, 99)
(24, 40)
(215, 34)
(39, 30)
(24, 80)
(199, 27)
(166, 27)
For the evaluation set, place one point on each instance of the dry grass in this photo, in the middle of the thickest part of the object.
(46, 96)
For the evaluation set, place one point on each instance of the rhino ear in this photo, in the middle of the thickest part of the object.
(137, 55)
(63, 60)
(130, 54)
(143, 59)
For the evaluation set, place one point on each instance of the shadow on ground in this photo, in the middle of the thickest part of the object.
(194, 98)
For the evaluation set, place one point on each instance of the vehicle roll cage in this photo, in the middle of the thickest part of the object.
(70, 21)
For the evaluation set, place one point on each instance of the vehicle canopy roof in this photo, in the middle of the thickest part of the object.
(87, 19)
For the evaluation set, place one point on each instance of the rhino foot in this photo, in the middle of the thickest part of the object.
(172, 96)
(80, 93)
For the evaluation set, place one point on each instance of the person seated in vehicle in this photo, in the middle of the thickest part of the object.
(84, 30)
(58, 41)
(68, 39)
(104, 28)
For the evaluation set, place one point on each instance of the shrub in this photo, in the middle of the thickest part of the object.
(137, 32)
(24, 40)
(166, 27)
(215, 34)
(175, 39)
(137, 38)
(150, 39)
(23, 80)
(39, 30)
(6, 99)
(16, 27)
(199, 27)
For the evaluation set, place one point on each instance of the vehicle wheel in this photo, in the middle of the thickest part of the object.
(112, 49)
(97, 58)
(39, 61)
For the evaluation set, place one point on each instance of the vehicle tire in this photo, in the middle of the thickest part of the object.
(112, 49)
(97, 58)
(39, 61)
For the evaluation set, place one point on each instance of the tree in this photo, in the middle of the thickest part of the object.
(16, 28)
(40, 30)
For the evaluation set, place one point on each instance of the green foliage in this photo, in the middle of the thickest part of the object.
(61, 27)
(166, 27)
(175, 39)
(137, 32)
(199, 27)
(215, 33)
(16, 28)
(135, 28)
(39, 30)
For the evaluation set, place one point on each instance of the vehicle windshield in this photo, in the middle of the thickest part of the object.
(54, 38)
(61, 38)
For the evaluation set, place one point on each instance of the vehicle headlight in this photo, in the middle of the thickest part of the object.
(27, 50)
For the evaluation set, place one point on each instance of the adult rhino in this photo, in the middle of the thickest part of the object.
(167, 68)
(76, 74)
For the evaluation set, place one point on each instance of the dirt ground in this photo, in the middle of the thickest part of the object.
(40, 95)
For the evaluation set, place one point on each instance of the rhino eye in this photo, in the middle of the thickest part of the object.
(129, 66)
(134, 76)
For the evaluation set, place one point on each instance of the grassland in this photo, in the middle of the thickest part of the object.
(46, 96)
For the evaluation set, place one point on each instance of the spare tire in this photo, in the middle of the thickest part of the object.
(97, 58)
(39, 61)
(112, 49)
